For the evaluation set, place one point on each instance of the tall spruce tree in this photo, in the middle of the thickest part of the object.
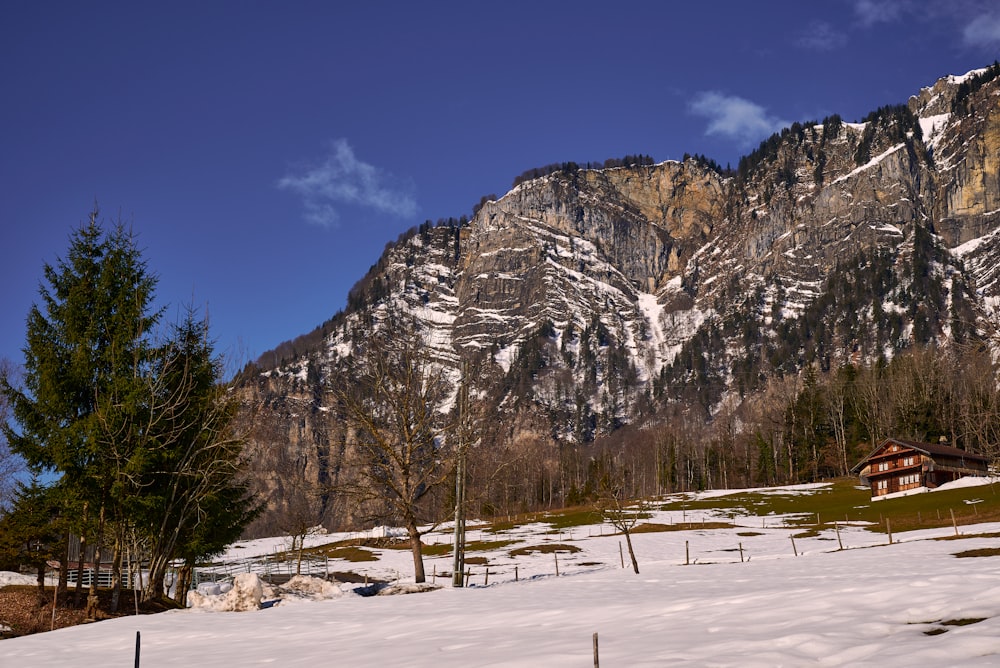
(86, 345)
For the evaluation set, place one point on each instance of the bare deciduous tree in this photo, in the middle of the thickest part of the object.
(393, 409)
(611, 499)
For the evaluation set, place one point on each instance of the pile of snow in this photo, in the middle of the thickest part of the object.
(304, 587)
(244, 594)
(407, 588)
(11, 578)
(247, 592)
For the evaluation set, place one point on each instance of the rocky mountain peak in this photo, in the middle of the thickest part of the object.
(588, 299)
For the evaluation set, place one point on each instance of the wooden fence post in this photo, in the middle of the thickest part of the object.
(136, 649)
(836, 528)
(687, 553)
(597, 661)
(793, 546)
(953, 522)
(888, 529)
(556, 555)
(741, 552)
(621, 555)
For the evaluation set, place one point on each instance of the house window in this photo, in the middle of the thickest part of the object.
(909, 461)
(883, 466)
(882, 484)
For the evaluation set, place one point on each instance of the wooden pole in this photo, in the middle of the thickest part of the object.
(888, 529)
(487, 582)
(741, 552)
(953, 522)
(836, 528)
(136, 649)
(556, 555)
(597, 661)
(793, 546)
(621, 554)
(687, 553)
(515, 574)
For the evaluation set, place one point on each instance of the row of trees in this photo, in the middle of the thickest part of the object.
(128, 423)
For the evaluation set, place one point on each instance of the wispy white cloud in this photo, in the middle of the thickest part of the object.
(734, 117)
(983, 31)
(872, 12)
(342, 179)
(821, 36)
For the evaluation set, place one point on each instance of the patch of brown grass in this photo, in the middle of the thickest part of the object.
(547, 548)
(20, 610)
(982, 552)
(653, 527)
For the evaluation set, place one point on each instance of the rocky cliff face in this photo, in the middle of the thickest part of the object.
(589, 298)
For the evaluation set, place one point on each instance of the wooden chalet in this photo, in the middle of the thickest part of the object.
(897, 466)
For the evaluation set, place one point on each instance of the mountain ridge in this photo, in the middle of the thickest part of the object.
(590, 299)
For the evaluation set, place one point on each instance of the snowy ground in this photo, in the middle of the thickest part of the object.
(870, 604)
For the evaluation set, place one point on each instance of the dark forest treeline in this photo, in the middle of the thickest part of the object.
(571, 167)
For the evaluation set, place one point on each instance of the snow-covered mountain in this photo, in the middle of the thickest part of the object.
(586, 299)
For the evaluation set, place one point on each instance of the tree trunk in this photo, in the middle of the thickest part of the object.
(81, 558)
(631, 552)
(184, 575)
(116, 575)
(42, 599)
(63, 585)
(92, 600)
(417, 548)
(157, 573)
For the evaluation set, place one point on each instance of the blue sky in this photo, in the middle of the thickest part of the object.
(264, 152)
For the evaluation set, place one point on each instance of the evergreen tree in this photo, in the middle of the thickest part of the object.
(84, 344)
(31, 533)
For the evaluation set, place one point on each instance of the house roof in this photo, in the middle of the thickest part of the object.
(926, 448)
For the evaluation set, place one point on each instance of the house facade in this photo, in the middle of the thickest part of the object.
(898, 466)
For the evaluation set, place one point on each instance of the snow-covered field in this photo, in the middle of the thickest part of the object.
(869, 604)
